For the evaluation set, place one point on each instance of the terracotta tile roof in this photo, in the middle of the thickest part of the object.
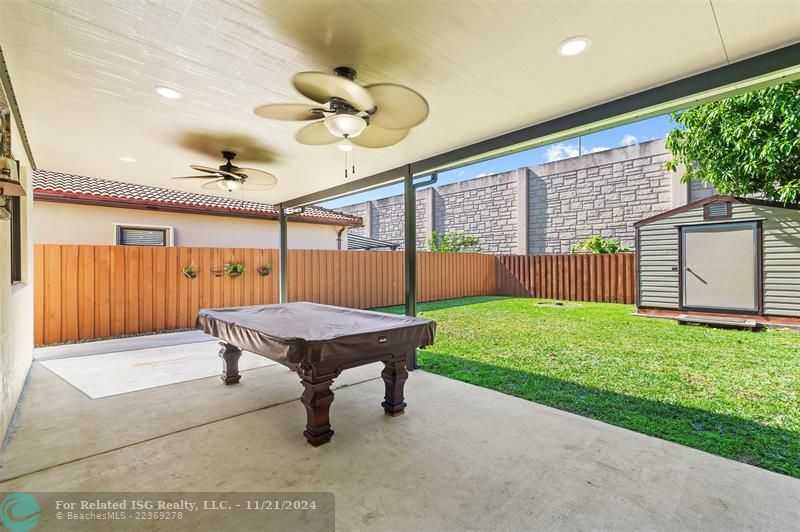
(56, 186)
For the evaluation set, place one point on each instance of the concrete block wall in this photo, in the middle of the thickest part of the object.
(384, 219)
(700, 190)
(485, 207)
(544, 208)
(364, 212)
(600, 193)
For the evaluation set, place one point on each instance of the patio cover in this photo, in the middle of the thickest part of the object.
(489, 69)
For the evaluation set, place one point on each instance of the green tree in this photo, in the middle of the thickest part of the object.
(599, 244)
(453, 242)
(747, 144)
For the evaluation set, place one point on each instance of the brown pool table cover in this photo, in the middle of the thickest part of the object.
(310, 332)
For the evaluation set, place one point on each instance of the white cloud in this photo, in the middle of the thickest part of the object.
(629, 140)
(559, 151)
(596, 149)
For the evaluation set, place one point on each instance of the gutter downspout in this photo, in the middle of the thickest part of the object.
(339, 237)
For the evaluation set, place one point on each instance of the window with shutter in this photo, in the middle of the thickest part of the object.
(14, 208)
(141, 236)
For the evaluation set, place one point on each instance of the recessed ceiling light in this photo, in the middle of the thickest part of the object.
(126, 159)
(574, 45)
(168, 92)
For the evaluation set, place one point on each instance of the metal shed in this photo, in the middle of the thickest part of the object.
(362, 242)
(723, 256)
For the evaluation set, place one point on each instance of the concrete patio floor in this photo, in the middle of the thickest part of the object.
(462, 458)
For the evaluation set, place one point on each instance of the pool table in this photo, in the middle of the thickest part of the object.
(319, 342)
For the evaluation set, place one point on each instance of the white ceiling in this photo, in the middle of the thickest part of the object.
(84, 71)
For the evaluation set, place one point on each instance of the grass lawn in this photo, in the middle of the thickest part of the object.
(731, 393)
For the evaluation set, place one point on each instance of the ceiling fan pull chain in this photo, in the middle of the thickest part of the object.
(345, 165)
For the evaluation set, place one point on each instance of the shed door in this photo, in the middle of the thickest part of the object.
(719, 266)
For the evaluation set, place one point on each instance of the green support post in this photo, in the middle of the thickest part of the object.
(283, 258)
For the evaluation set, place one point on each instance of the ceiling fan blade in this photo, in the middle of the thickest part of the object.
(321, 87)
(211, 143)
(288, 111)
(399, 107)
(216, 171)
(378, 137)
(206, 169)
(211, 185)
(194, 177)
(316, 134)
(258, 177)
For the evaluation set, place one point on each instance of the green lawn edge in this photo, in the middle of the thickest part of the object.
(731, 393)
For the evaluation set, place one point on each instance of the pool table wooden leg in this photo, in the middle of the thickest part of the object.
(230, 355)
(317, 398)
(394, 376)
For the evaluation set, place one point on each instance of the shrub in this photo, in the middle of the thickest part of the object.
(453, 242)
(599, 244)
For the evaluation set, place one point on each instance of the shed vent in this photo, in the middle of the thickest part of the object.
(718, 209)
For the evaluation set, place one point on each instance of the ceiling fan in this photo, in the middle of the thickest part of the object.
(371, 116)
(230, 177)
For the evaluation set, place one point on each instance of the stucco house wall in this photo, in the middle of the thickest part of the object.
(16, 301)
(68, 223)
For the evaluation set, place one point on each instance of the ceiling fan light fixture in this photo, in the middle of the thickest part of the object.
(345, 145)
(574, 45)
(229, 185)
(345, 125)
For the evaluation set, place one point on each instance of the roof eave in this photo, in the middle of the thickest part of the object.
(152, 205)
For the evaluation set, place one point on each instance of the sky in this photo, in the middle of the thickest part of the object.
(633, 133)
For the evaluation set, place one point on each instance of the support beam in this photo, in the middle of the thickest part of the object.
(410, 251)
(410, 205)
(410, 254)
(283, 258)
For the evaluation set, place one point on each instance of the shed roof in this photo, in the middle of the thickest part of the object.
(355, 242)
(713, 199)
(67, 188)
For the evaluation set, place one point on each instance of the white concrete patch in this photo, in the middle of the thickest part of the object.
(110, 374)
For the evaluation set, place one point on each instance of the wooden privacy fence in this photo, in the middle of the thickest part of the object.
(87, 292)
(579, 277)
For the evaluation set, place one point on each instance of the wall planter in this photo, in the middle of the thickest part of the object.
(264, 269)
(190, 271)
(234, 269)
(217, 272)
